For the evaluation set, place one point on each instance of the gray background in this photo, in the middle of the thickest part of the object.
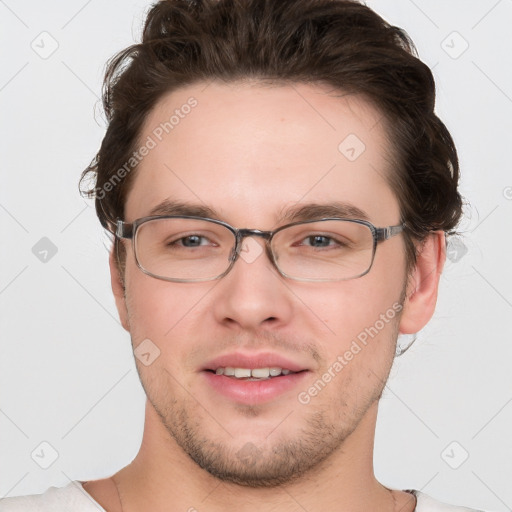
(67, 375)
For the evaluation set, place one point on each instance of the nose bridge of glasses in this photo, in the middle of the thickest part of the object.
(244, 233)
(241, 234)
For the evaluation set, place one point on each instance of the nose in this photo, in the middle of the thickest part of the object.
(253, 294)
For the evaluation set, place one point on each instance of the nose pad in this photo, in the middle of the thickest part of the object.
(269, 254)
(238, 248)
(233, 255)
(235, 251)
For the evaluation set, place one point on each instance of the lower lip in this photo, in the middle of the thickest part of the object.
(253, 391)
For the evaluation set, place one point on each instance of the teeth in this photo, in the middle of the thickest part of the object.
(258, 373)
(262, 373)
(242, 372)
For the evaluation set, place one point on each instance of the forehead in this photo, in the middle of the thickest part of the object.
(247, 151)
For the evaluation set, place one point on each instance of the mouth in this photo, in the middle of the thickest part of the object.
(253, 386)
(253, 374)
(253, 378)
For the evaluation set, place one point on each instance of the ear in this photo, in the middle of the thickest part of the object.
(118, 289)
(423, 283)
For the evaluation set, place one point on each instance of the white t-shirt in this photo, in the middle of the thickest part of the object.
(74, 498)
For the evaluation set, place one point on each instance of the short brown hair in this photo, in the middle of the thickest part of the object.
(341, 43)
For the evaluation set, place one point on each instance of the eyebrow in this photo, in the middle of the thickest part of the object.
(169, 207)
(296, 213)
(312, 211)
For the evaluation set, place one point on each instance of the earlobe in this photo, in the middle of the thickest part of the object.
(423, 284)
(118, 289)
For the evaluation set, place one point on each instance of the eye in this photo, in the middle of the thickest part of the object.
(320, 241)
(190, 241)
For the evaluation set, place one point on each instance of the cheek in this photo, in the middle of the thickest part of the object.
(363, 347)
(362, 318)
(347, 308)
(163, 311)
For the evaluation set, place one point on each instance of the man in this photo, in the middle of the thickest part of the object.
(279, 190)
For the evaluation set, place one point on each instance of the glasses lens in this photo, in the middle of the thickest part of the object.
(327, 250)
(183, 249)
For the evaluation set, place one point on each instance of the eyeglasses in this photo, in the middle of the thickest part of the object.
(190, 249)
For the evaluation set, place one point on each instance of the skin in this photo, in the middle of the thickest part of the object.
(248, 150)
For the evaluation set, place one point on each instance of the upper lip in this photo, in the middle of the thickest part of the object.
(261, 360)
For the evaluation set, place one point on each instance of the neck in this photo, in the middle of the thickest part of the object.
(162, 474)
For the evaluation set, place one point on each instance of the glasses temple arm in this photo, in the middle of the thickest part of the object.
(390, 231)
(124, 229)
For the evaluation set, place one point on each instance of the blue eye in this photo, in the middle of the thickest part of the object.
(189, 242)
(319, 240)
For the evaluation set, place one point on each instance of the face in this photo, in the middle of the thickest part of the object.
(250, 152)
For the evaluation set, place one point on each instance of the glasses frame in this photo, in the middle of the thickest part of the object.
(128, 230)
